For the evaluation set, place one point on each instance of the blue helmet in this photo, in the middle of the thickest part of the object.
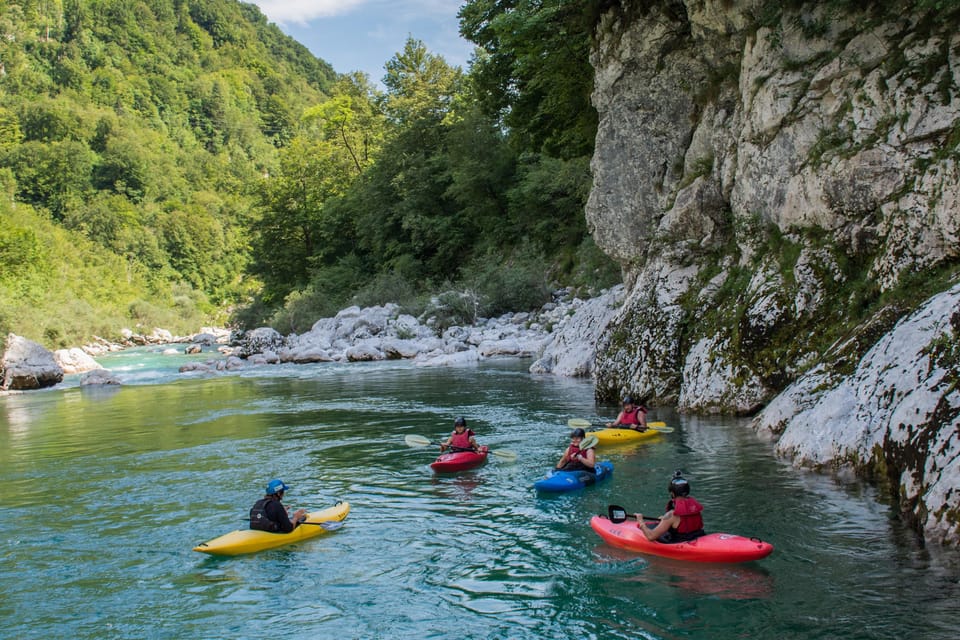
(276, 486)
(460, 422)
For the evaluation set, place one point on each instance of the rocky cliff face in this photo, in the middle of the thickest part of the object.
(782, 187)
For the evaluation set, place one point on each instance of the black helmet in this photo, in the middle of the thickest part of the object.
(460, 422)
(627, 400)
(578, 433)
(679, 486)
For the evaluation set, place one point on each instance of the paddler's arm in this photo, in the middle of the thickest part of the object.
(652, 534)
(589, 458)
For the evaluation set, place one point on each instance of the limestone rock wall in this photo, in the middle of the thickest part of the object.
(763, 175)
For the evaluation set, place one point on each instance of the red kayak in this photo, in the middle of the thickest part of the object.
(459, 461)
(713, 547)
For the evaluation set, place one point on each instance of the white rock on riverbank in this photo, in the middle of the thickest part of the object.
(562, 335)
(899, 410)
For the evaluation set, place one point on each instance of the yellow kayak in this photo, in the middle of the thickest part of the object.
(250, 540)
(619, 436)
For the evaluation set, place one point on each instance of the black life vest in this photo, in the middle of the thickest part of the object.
(259, 519)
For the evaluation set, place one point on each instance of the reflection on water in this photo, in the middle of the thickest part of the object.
(104, 493)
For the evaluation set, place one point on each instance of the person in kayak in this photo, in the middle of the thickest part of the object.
(461, 439)
(269, 514)
(575, 458)
(682, 521)
(633, 416)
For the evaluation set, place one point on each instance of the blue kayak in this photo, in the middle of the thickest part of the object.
(571, 480)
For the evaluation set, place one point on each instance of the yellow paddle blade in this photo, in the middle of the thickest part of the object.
(579, 422)
(660, 427)
(506, 454)
(589, 442)
(416, 441)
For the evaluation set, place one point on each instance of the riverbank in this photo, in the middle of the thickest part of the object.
(560, 337)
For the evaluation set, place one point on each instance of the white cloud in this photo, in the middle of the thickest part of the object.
(303, 11)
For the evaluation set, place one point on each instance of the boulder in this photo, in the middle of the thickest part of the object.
(75, 360)
(27, 365)
(99, 377)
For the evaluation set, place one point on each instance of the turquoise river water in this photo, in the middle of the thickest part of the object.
(104, 492)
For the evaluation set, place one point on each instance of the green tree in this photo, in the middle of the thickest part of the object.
(296, 230)
(420, 85)
(56, 176)
(350, 120)
(534, 71)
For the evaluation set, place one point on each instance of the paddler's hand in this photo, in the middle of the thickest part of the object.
(639, 517)
(299, 515)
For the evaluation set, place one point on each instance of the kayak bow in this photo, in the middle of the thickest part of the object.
(459, 461)
(556, 481)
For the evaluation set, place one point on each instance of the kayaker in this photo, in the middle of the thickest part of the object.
(682, 521)
(269, 514)
(633, 416)
(575, 458)
(461, 439)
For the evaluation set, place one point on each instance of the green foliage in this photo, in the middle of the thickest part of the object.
(594, 270)
(184, 157)
(296, 217)
(59, 289)
(137, 129)
(453, 308)
(388, 287)
(533, 70)
(420, 85)
(441, 193)
(507, 283)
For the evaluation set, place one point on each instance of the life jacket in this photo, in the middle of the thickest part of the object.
(633, 417)
(259, 519)
(573, 460)
(691, 522)
(461, 440)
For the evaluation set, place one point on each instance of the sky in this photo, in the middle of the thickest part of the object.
(361, 35)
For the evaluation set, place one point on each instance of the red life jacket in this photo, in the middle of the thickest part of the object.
(632, 417)
(574, 460)
(574, 452)
(688, 510)
(461, 440)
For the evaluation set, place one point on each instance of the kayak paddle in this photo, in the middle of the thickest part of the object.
(420, 441)
(618, 514)
(589, 442)
(653, 426)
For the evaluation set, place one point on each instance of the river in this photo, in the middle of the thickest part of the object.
(106, 490)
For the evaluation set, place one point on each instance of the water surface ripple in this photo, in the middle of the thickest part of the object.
(105, 491)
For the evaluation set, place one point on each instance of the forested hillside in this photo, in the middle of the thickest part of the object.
(133, 136)
(175, 162)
